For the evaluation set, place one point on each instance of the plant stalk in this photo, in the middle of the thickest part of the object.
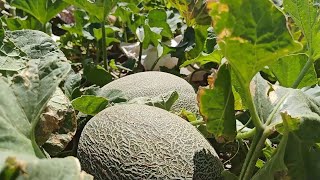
(252, 149)
(103, 41)
(256, 153)
(303, 72)
(140, 52)
(246, 135)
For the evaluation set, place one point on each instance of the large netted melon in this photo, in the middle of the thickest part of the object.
(134, 141)
(154, 83)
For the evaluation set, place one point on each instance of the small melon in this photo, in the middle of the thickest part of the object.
(132, 141)
(154, 83)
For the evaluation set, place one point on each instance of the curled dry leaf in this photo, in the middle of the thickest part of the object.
(57, 124)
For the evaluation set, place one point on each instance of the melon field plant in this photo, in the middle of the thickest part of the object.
(81, 95)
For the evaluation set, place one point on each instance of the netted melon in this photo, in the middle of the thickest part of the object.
(154, 83)
(132, 141)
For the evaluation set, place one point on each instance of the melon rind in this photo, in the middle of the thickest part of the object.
(154, 83)
(132, 141)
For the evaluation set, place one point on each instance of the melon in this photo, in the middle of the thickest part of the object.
(132, 141)
(152, 84)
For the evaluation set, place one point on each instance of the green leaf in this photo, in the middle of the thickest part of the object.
(89, 104)
(313, 92)
(96, 74)
(227, 175)
(72, 85)
(204, 58)
(158, 18)
(251, 34)
(151, 36)
(306, 15)
(18, 23)
(163, 101)
(190, 116)
(302, 158)
(43, 10)
(113, 95)
(80, 25)
(293, 112)
(98, 8)
(288, 68)
(196, 38)
(216, 105)
(193, 11)
(21, 166)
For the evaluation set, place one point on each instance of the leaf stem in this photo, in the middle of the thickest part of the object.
(155, 63)
(303, 72)
(195, 123)
(253, 111)
(103, 41)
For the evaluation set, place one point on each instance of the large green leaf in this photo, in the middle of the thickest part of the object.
(24, 93)
(193, 11)
(251, 35)
(43, 10)
(288, 68)
(98, 8)
(306, 15)
(294, 112)
(29, 88)
(216, 105)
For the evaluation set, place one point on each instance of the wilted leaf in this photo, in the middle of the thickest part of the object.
(57, 124)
